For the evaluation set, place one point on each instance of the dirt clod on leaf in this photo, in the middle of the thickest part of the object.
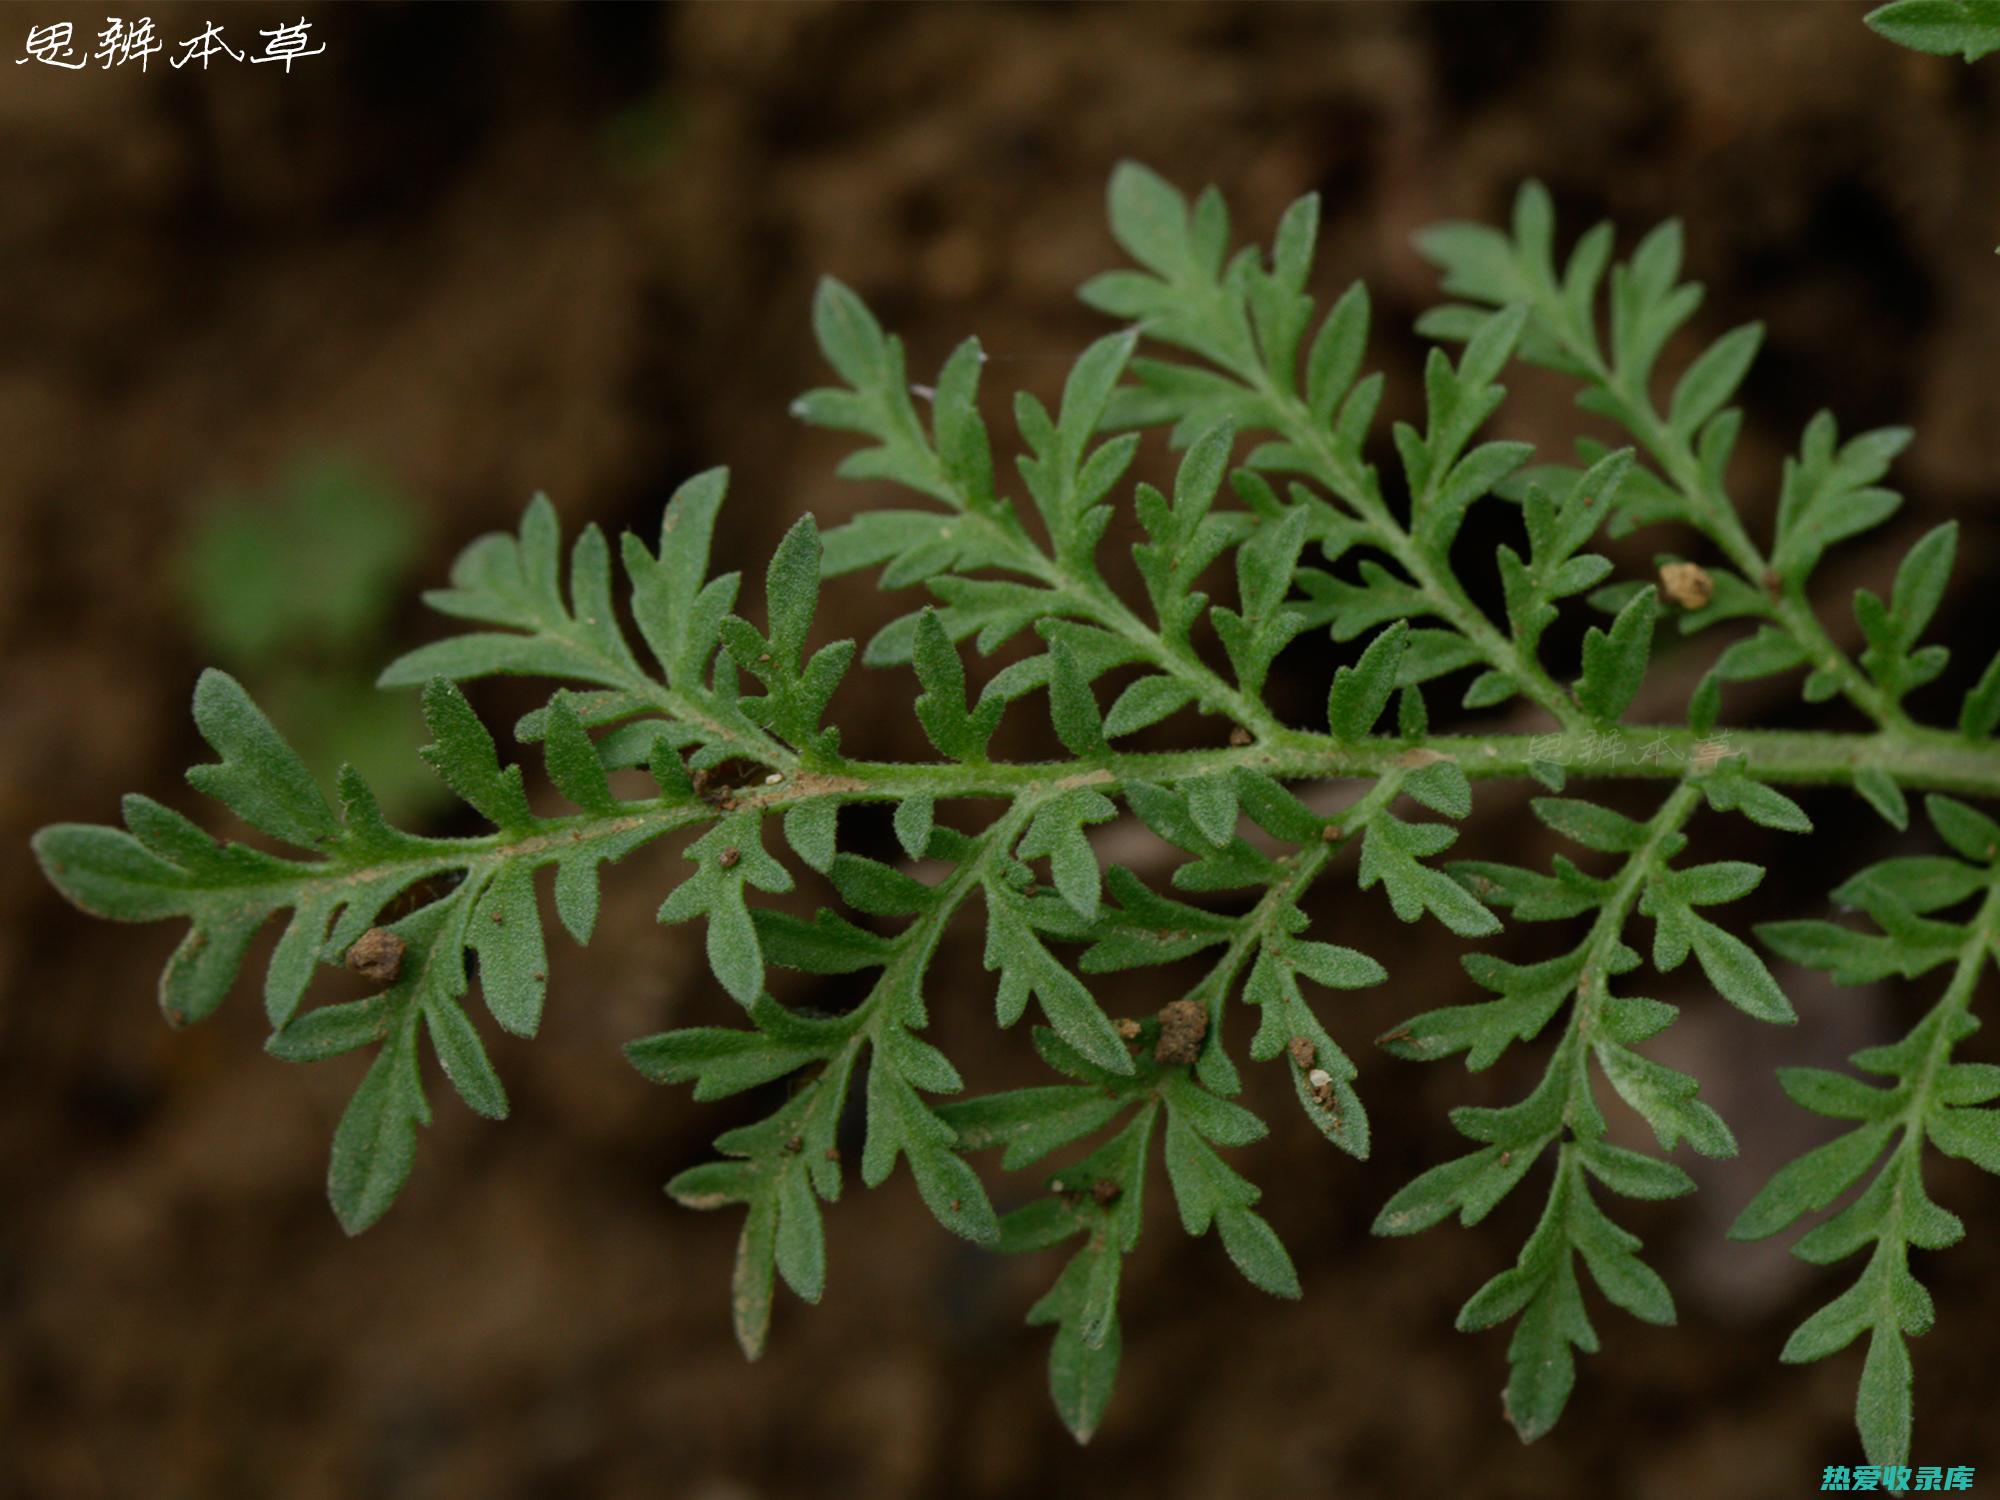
(1687, 584)
(378, 955)
(1183, 1023)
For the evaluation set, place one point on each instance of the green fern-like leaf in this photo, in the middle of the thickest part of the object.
(1276, 529)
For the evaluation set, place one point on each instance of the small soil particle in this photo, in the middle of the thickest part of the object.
(1321, 1083)
(1687, 584)
(1183, 1023)
(378, 955)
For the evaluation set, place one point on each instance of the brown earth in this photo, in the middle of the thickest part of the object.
(497, 250)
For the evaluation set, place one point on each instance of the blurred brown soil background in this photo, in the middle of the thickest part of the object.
(499, 249)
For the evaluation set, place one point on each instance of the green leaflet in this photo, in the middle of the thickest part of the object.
(1541, 1290)
(1880, 791)
(955, 729)
(901, 1124)
(467, 761)
(515, 582)
(1322, 1074)
(780, 1168)
(1614, 661)
(1057, 833)
(1729, 790)
(1828, 493)
(729, 857)
(1972, 835)
(782, 1229)
(1099, 1197)
(472, 893)
(1065, 477)
(1026, 967)
(260, 778)
(1392, 855)
(1210, 1194)
(1556, 530)
(1072, 706)
(1930, 1099)
(1444, 478)
(375, 1143)
(1265, 567)
(1728, 963)
(1968, 28)
(1361, 692)
(1892, 631)
(798, 686)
